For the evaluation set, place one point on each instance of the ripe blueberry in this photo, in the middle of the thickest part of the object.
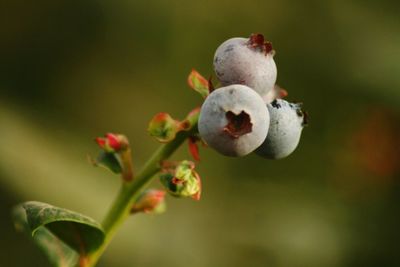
(234, 120)
(286, 123)
(247, 61)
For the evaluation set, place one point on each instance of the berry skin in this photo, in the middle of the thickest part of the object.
(287, 122)
(247, 61)
(234, 120)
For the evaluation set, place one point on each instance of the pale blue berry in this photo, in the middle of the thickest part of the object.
(247, 61)
(234, 120)
(286, 124)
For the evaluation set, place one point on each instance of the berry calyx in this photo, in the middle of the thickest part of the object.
(238, 125)
(257, 40)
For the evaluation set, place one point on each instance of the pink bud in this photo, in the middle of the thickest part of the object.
(100, 141)
(112, 143)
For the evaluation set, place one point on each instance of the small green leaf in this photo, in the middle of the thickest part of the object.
(199, 83)
(57, 252)
(109, 161)
(80, 232)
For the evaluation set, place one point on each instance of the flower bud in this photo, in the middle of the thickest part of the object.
(116, 155)
(182, 181)
(163, 127)
(151, 201)
(112, 142)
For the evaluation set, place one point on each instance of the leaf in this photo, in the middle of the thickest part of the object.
(78, 231)
(198, 83)
(57, 252)
(110, 161)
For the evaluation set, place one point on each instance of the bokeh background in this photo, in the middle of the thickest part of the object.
(75, 69)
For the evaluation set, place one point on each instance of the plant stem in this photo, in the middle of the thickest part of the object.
(130, 191)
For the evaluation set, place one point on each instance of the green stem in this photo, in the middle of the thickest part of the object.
(130, 191)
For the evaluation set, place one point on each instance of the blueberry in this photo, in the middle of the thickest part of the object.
(234, 120)
(247, 61)
(286, 123)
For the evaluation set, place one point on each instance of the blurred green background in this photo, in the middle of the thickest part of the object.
(72, 70)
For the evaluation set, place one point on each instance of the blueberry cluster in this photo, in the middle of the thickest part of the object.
(246, 114)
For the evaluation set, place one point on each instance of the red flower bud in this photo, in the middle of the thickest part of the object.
(112, 142)
(100, 141)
